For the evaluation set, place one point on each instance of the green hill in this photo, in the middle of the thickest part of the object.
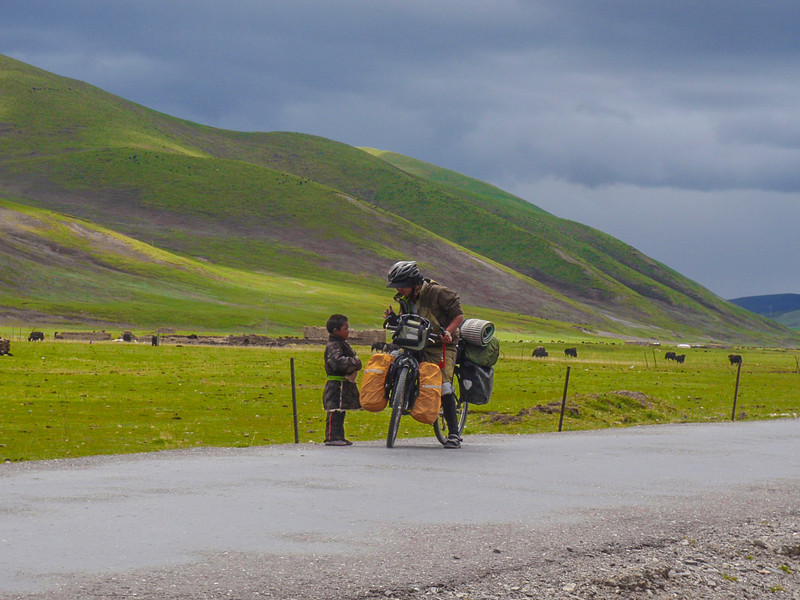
(790, 319)
(281, 205)
(66, 271)
(60, 269)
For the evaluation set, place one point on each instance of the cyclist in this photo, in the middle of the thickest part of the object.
(442, 307)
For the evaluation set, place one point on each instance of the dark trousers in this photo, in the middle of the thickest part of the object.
(334, 425)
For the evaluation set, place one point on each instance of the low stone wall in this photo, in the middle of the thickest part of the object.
(311, 335)
(249, 339)
(82, 336)
(366, 337)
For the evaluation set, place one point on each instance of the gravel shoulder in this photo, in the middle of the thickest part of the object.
(745, 544)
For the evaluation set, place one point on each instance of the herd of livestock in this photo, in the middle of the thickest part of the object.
(538, 352)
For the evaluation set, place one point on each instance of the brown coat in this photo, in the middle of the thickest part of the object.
(340, 361)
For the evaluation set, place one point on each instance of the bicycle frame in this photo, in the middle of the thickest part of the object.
(411, 333)
(402, 380)
(404, 360)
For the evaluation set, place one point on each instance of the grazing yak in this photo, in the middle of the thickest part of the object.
(736, 359)
(384, 347)
(36, 336)
(678, 358)
(539, 352)
(573, 352)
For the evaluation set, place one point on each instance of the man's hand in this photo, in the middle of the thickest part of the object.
(446, 337)
(389, 317)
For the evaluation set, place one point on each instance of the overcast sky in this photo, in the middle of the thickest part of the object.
(672, 125)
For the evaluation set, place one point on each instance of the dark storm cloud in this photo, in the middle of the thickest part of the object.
(588, 109)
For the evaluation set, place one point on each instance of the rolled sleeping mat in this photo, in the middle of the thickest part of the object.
(477, 332)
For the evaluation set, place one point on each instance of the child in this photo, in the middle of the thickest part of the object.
(341, 392)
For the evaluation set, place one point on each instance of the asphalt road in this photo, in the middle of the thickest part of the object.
(274, 521)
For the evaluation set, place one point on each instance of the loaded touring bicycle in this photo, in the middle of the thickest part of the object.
(411, 386)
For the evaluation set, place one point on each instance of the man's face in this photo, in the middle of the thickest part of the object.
(405, 291)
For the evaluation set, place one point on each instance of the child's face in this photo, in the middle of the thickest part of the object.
(343, 332)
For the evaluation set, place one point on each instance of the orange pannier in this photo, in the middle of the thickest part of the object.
(373, 392)
(429, 402)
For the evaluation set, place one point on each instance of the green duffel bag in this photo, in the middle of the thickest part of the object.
(484, 356)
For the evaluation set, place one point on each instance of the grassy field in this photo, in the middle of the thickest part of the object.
(70, 399)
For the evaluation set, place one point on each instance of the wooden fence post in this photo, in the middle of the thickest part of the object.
(736, 393)
(563, 401)
(294, 404)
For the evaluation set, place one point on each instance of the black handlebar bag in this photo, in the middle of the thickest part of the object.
(412, 332)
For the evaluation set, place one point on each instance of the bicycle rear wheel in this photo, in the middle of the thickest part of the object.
(462, 409)
(399, 391)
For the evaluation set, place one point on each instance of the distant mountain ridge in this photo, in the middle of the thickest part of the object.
(327, 217)
(784, 308)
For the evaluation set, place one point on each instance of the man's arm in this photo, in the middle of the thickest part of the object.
(447, 334)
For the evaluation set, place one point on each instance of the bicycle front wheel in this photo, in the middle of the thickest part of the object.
(399, 391)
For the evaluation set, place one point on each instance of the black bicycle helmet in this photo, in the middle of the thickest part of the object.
(404, 273)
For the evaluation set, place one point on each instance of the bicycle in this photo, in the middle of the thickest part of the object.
(411, 334)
